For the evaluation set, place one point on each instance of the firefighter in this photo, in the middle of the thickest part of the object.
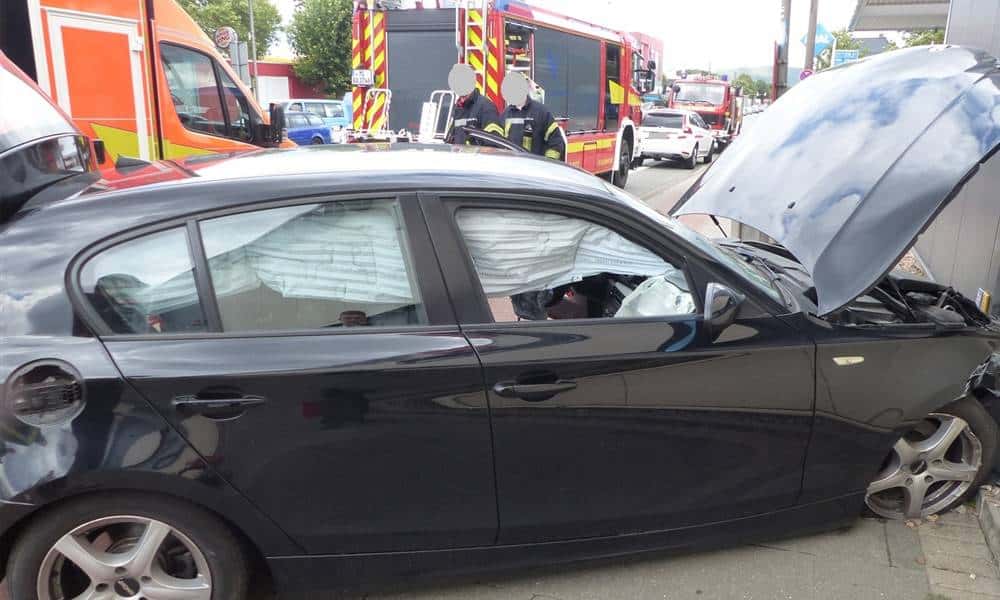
(472, 109)
(528, 122)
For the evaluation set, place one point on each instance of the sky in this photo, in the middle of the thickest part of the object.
(718, 34)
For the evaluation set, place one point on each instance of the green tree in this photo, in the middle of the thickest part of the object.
(844, 42)
(925, 37)
(762, 87)
(745, 83)
(320, 34)
(212, 14)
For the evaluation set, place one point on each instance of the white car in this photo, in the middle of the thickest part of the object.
(675, 135)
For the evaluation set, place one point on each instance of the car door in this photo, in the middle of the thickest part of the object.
(606, 424)
(308, 352)
(297, 129)
(702, 134)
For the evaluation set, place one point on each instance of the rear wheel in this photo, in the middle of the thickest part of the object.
(316, 141)
(692, 161)
(937, 465)
(620, 176)
(127, 546)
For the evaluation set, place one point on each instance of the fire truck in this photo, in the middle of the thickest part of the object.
(139, 75)
(716, 100)
(591, 77)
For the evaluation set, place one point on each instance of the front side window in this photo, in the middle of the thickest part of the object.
(335, 264)
(195, 92)
(237, 109)
(313, 120)
(296, 121)
(145, 286)
(540, 266)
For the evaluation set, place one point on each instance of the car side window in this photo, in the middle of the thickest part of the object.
(238, 109)
(312, 266)
(334, 110)
(145, 286)
(314, 121)
(540, 266)
(296, 106)
(194, 89)
(296, 121)
(699, 122)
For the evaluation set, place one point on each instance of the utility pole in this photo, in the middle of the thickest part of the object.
(781, 52)
(253, 53)
(811, 35)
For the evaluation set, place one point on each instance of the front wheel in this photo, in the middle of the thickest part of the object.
(620, 176)
(937, 465)
(711, 154)
(127, 546)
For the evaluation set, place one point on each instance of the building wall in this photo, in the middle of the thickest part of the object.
(277, 81)
(962, 246)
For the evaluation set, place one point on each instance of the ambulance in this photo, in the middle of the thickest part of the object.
(138, 75)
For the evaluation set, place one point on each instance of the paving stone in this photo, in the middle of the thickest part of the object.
(904, 547)
(948, 583)
(968, 548)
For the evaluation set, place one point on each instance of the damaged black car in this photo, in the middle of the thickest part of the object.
(337, 366)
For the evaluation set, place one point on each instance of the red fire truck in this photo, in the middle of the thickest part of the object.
(592, 77)
(716, 100)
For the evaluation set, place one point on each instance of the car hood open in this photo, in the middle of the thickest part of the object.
(852, 164)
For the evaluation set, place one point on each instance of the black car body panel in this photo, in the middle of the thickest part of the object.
(867, 154)
(374, 453)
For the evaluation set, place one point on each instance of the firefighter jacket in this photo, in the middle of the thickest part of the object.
(536, 129)
(475, 111)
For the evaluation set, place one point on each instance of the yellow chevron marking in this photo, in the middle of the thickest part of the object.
(491, 59)
(379, 17)
(122, 141)
(475, 38)
(376, 106)
(476, 63)
(379, 61)
(476, 17)
(379, 38)
(491, 83)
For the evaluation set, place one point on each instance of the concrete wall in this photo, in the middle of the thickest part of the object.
(962, 246)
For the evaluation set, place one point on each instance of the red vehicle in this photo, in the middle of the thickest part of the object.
(716, 101)
(592, 77)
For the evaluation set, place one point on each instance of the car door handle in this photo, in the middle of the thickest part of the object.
(217, 407)
(532, 392)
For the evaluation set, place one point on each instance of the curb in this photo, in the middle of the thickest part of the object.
(988, 513)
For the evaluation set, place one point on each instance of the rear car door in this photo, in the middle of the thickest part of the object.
(613, 411)
(307, 350)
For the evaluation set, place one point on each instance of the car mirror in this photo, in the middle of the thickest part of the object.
(277, 127)
(100, 151)
(721, 306)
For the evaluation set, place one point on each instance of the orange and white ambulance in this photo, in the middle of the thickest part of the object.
(140, 75)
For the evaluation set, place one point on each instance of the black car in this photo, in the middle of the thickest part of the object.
(334, 366)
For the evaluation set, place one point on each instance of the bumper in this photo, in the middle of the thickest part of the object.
(669, 149)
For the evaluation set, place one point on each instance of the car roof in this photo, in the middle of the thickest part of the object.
(671, 112)
(330, 100)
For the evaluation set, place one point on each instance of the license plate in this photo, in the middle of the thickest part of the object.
(362, 77)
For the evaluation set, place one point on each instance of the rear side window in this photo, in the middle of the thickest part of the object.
(314, 121)
(296, 121)
(145, 286)
(335, 264)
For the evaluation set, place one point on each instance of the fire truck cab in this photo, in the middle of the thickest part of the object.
(590, 77)
(140, 75)
(716, 101)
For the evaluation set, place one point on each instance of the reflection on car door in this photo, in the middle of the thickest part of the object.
(604, 426)
(318, 367)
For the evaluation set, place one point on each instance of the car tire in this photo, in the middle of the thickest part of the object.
(938, 464)
(317, 141)
(692, 161)
(190, 540)
(638, 162)
(711, 155)
(620, 176)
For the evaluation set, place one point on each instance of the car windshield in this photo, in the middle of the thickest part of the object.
(700, 92)
(674, 121)
(730, 259)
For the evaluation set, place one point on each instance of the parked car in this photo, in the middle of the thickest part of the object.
(675, 134)
(307, 129)
(342, 365)
(336, 114)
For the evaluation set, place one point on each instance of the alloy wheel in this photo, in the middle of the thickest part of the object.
(124, 557)
(928, 469)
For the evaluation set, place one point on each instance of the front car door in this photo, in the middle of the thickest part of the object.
(613, 409)
(307, 351)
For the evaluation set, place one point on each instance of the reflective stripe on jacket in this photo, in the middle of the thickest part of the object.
(535, 129)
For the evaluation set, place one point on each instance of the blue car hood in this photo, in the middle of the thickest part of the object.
(852, 164)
